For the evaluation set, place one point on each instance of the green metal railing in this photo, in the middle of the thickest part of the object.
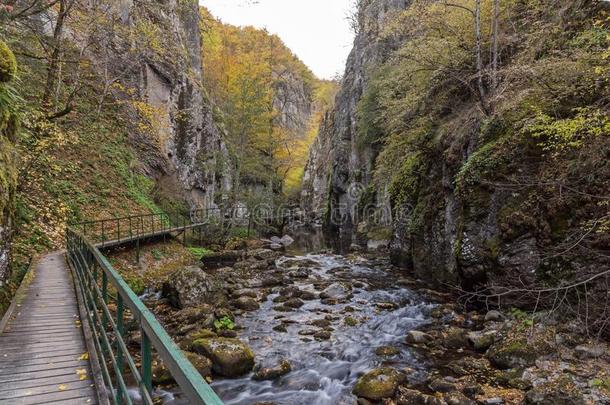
(111, 307)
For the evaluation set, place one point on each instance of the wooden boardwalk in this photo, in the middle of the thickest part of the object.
(43, 352)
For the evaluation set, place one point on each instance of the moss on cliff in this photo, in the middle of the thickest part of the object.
(506, 175)
(9, 125)
(8, 63)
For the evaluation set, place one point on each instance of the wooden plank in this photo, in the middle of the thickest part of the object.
(27, 392)
(82, 395)
(50, 346)
(42, 331)
(41, 354)
(56, 330)
(57, 338)
(33, 328)
(41, 361)
(61, 379)
(32, 375)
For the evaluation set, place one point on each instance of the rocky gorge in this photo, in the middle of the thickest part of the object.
(451, 245)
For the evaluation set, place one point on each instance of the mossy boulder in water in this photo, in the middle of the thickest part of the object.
(230, 357)
(378, 384)
(8, 63)
(272, 373)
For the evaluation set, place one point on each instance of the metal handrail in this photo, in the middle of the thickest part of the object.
(95, 277)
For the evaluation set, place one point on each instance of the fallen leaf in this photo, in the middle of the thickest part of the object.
(85, 356)
(62, 387)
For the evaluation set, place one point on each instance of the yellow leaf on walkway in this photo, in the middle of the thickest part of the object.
(62, 387)
(85, 356)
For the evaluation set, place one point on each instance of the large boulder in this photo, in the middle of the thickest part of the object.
(482, 340)
(230, 357)
(191, 287)
(557, 391)
(378, 384)
(520, 350)
(162, 375)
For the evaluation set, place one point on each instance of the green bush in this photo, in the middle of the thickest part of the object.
(8, 63)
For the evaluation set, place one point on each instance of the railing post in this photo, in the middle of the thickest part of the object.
(105, 294)
(138, 249)
(249, 223)
(146, 362)
(121, 331)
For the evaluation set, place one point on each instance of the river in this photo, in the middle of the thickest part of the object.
(324, 372)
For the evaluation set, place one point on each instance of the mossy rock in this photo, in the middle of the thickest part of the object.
(559, 391)
(273, 373)
(519, 350)
(162, 375)
(378, 384)
(201, 363)
(350, 321)
(387, 351)
(8, 63)
(230, 357)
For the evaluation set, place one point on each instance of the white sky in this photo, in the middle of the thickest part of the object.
(317, 31)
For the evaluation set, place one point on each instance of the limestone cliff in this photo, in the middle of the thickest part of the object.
(347, 165)
(479, 191)
(314, 191)
(160, 77)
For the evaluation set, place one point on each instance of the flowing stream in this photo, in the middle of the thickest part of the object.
(324, 372)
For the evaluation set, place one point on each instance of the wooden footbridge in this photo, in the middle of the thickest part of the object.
(63, 340)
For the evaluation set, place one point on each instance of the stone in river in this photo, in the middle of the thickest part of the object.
(230, 357)
(378, 384)
(322, 335)
(272, 373)
(294, 303)
(246, 303)
(417, 337)
(386, 351)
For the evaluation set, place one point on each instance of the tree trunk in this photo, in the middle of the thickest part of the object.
(478, 52)
(494, 52)
(55, 59)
